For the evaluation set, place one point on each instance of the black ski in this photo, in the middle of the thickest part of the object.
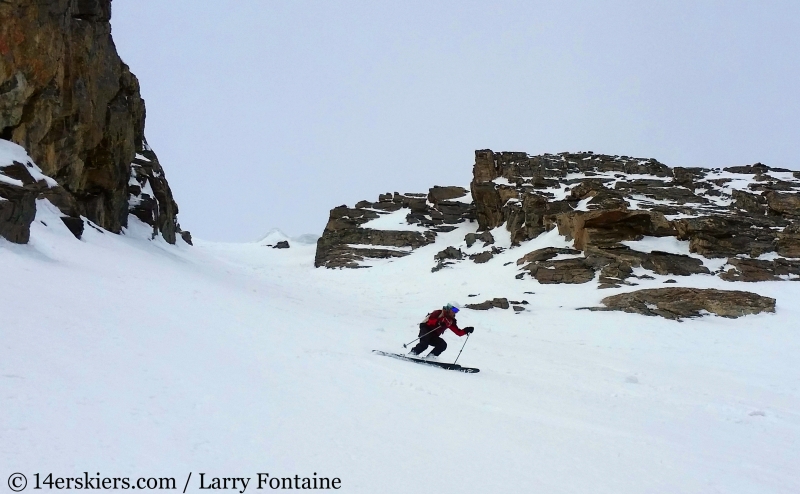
(443, 365)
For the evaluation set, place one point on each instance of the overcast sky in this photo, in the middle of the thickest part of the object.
(269, 113)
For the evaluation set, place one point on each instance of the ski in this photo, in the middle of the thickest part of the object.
(443, 365)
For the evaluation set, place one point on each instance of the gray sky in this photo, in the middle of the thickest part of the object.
(269, 113)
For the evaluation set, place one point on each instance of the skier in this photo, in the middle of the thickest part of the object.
(432, 328)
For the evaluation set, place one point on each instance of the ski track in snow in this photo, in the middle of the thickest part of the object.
(131, 357)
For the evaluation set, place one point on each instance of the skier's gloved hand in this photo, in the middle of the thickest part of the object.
(469, 329)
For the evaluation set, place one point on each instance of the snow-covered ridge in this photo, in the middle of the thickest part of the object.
(628, 219)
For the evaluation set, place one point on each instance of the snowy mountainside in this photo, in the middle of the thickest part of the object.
(275, 235)
(126, 355)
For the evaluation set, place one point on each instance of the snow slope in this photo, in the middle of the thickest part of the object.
(131, 357)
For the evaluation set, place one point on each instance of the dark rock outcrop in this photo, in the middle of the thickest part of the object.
(717, 236)
(784, 203)
(576, 270)
(495, 303)
(68, 99)
(482, 257)
(605, 205)
(485, 237)
(742, 269)
(440, 194)
(600, 202)
(150, 198)
(615, 265)
(788, 243)
(509, 187)
(18, 192)
(446, 257)
(449, 253)
(677, 303)
(546, 254)
(609, 227)
(346, 242)
(74, 225)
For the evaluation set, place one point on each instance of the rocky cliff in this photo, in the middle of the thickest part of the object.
(70, 101)
(611, 220)
(747, 215)
(391, 227)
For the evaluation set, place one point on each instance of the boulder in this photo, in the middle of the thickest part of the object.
(750, 270)
(784, 203)
(483, 257)
(485, 237)
(449, 253)
(573, 271)
(545, 254)
(663, 263)
(678, 302)
(438, 194)
(495, 303)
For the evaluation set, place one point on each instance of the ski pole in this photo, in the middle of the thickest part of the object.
(405, 345)
(462, 348)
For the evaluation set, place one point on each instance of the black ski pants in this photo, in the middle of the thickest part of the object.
(426, 340)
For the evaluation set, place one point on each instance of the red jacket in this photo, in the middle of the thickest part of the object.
(441, 323)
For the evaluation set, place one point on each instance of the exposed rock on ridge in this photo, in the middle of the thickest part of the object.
(677, 303)
(348, 238)
(68, 99)
(628, 220)
(21, 182)
(601, 201)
